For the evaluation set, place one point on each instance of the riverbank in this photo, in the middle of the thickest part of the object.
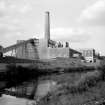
(16, 73)
(70, 87)
(76, 89)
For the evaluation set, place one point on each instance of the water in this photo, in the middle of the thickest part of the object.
(45, 87)
(42, 90)
(11, 100)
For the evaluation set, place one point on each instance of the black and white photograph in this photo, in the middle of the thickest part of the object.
(52, 52)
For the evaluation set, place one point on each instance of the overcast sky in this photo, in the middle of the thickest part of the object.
(81, 22)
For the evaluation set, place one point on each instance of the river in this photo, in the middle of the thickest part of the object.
(42, 89)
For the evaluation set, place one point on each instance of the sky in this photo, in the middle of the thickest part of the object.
(80, 22)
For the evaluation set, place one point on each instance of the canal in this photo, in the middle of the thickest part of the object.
(27, 92)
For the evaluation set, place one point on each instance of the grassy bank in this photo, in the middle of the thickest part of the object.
(75, 90)
(78, 84)
(78, 88)
(15, 75)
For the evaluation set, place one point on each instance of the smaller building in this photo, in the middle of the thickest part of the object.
(88, 54)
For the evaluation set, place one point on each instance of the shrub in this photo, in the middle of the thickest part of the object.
(87, 81)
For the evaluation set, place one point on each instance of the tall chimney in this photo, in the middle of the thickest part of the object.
(47, 27)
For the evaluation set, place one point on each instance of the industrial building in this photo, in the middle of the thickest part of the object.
(46, 48)
(88, 54)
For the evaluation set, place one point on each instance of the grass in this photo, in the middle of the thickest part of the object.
(16, 73)
(78, 88)
(64, 97)
(78, 84)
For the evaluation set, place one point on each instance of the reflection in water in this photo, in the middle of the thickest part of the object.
(42, 90)
(45, 87)
(11, 100)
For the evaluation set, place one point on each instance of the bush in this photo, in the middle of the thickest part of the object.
(87, 81)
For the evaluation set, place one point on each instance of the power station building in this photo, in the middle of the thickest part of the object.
(45, 48)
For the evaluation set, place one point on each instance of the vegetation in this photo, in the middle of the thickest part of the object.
(77, 84)
(87, 88)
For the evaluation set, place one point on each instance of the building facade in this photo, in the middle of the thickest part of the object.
(88, 54)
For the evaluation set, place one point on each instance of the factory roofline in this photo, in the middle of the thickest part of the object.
(85, 49)
(75, 51)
